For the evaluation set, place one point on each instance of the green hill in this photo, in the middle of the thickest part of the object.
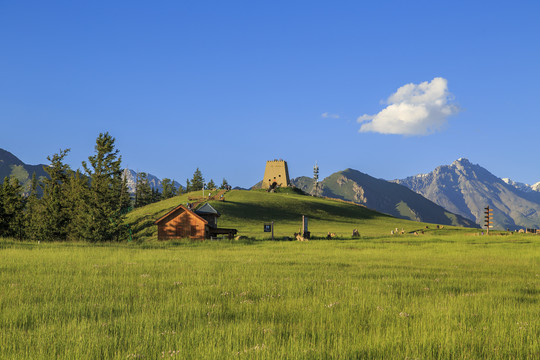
(248, 211)
(383, 196)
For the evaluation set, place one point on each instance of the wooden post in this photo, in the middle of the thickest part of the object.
(489, 218)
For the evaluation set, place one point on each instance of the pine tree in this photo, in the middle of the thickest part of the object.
(168, 188)
(210, 185)
(125, 197)
(180, 190)
(3, 216)
(224, 185)
(188, 185)
(32, 211)
(14, 203)
(105, 193)
(53, 218)
(156, 195)
(78, 194)
(197, 182)
(143, 191)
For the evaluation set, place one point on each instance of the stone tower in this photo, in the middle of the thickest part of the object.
(276, 174)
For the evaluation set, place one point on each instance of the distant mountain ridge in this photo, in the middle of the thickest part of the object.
(382, 196)
(10, 165)
(522, 186)
(466, 189)
(154, 181)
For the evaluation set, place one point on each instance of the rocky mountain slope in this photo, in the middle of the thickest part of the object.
(466, 189)
(382, 196)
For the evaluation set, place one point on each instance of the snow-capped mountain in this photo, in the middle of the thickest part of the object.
(522, 186)
(154, 181)
(466, 189)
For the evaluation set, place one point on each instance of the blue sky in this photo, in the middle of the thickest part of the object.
(225, 86)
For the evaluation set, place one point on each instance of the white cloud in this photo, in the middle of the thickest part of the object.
(413, 110)
(327, 115)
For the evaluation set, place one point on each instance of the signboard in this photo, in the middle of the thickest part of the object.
(269, 228)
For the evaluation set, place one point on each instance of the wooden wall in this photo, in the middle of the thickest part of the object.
(180, 225)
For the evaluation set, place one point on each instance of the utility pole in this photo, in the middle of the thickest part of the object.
(488, 218)
(316, 180)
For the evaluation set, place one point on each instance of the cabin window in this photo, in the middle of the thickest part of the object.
(193, 231)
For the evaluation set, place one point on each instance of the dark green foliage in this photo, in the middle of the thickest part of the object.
(156, 195)
(78, 195)
(12, 205)
(188, 185)
(143, 191)
(125, 197)
(168, 189)
(106, 194)
(211, 185)
(224, 184)
(52, 216)
(31, 212)
(180, 189)
(197, 182)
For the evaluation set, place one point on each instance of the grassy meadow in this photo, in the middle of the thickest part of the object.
(437, 296)
(247, 211)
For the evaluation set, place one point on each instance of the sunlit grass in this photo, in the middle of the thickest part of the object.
(436, 296)
(248, 211)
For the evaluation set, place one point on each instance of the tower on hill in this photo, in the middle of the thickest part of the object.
(276, 174)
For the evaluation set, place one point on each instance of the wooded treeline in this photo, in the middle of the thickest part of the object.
(90, 205)
(86, 206)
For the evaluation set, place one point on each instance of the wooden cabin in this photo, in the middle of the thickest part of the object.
(182, 223)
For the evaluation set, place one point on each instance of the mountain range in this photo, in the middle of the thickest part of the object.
(454, 194)
(383, 196)
(10, 165)
(466, 189)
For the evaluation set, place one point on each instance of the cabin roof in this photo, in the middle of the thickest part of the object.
(207, 209)
(179, 207)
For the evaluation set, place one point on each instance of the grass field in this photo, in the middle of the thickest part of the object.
(405, 297)
(247, 211)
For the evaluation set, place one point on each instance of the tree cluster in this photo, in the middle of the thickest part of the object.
(197, 183)
(88, 206)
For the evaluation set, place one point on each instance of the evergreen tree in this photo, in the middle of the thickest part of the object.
(143, 191)
(78, 195)
(3, 217)
(188, 185)
(224, 185)
(13, 203)
(125, 197)
(168, 188)
(180, 190)
(156, 195)
(211, 185)
(32, 211)
(52, 219)
(197, 182)
(105, 193)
